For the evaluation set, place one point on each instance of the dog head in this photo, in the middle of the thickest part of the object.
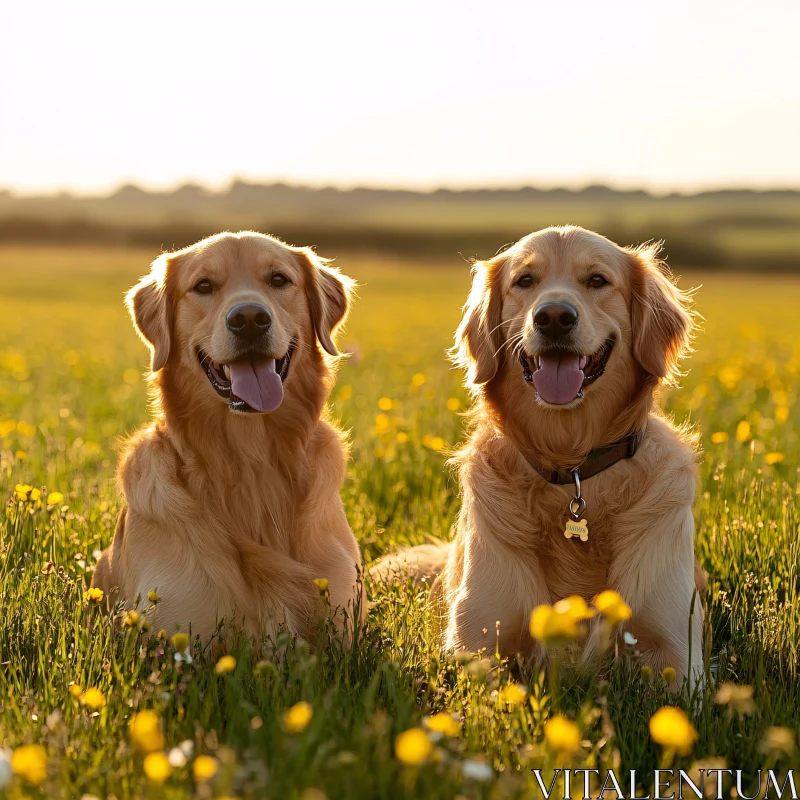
(574, 319)
(240, 313)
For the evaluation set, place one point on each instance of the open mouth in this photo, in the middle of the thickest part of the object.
(251, 384)
(560, 376)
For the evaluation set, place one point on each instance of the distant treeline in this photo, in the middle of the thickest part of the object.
(680, 250)
(722, 229)
(327, 241)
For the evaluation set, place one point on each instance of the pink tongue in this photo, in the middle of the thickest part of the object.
(559, 378)
(257, 383)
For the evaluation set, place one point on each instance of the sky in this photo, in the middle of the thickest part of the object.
(659, 95)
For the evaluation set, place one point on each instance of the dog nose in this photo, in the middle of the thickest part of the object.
(248, 320)
(555, 320)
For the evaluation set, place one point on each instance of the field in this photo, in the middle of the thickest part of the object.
(72, 385)
(732, 230)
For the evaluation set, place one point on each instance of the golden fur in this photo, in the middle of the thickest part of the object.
(229, 515)
(510, 554)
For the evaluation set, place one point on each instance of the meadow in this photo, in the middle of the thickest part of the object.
(89, 711)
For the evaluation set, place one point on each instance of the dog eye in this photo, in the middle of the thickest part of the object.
(596, 281)
(278, 280)
(203, 287)
(525, 282)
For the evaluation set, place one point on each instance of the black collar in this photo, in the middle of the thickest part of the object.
(599, 459)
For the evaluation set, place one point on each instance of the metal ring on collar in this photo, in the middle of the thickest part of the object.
(576, 507)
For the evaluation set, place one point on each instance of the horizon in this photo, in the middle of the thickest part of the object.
(226, 187)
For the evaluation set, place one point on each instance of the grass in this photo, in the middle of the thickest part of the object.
(71, 386)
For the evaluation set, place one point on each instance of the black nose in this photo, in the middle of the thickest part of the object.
(248, 320)
(555, 320)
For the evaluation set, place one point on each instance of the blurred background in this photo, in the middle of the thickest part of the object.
(424, 128)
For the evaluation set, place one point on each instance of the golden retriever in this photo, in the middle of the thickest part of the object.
(232, 505)
(564, 338)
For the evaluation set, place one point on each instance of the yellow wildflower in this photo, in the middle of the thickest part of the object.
(75, 690)
(575, 607)
(145, 731)
(612, 607)
(30, 763)
(204, 768)
(321, 584)
(780, 397)
(385, 404)
(24, 491)
(669, 674)
(540, 617)
(296, 719)
(773, 458)
(670, 727)
(436, 443)
(562, 735)
(93, 698)
(132, 619)
(443, 723)
(551, 628)
(157, 767)
(94, 594)
(719, 437)
(54, 498)
(225, 664)
(180, 641)
(413, 747)
(730, 375)
(647, 673)
(453, 403)
(346, 392)
(559, 623)
(513, 693)
(737, 697)
(153, 597)
(162, 635)
(402, 437)
(778, 741)
(743, 432)
(418, 380)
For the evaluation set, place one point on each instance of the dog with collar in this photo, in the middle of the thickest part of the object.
(572, 481)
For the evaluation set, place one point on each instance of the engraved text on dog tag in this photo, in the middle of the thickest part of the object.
(575, 528)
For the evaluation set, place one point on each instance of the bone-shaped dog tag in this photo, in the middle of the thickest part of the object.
(575, 528)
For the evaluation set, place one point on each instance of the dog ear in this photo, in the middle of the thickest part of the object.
(662, 319)
(151, 311)
(329, 295)
(479, 338)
